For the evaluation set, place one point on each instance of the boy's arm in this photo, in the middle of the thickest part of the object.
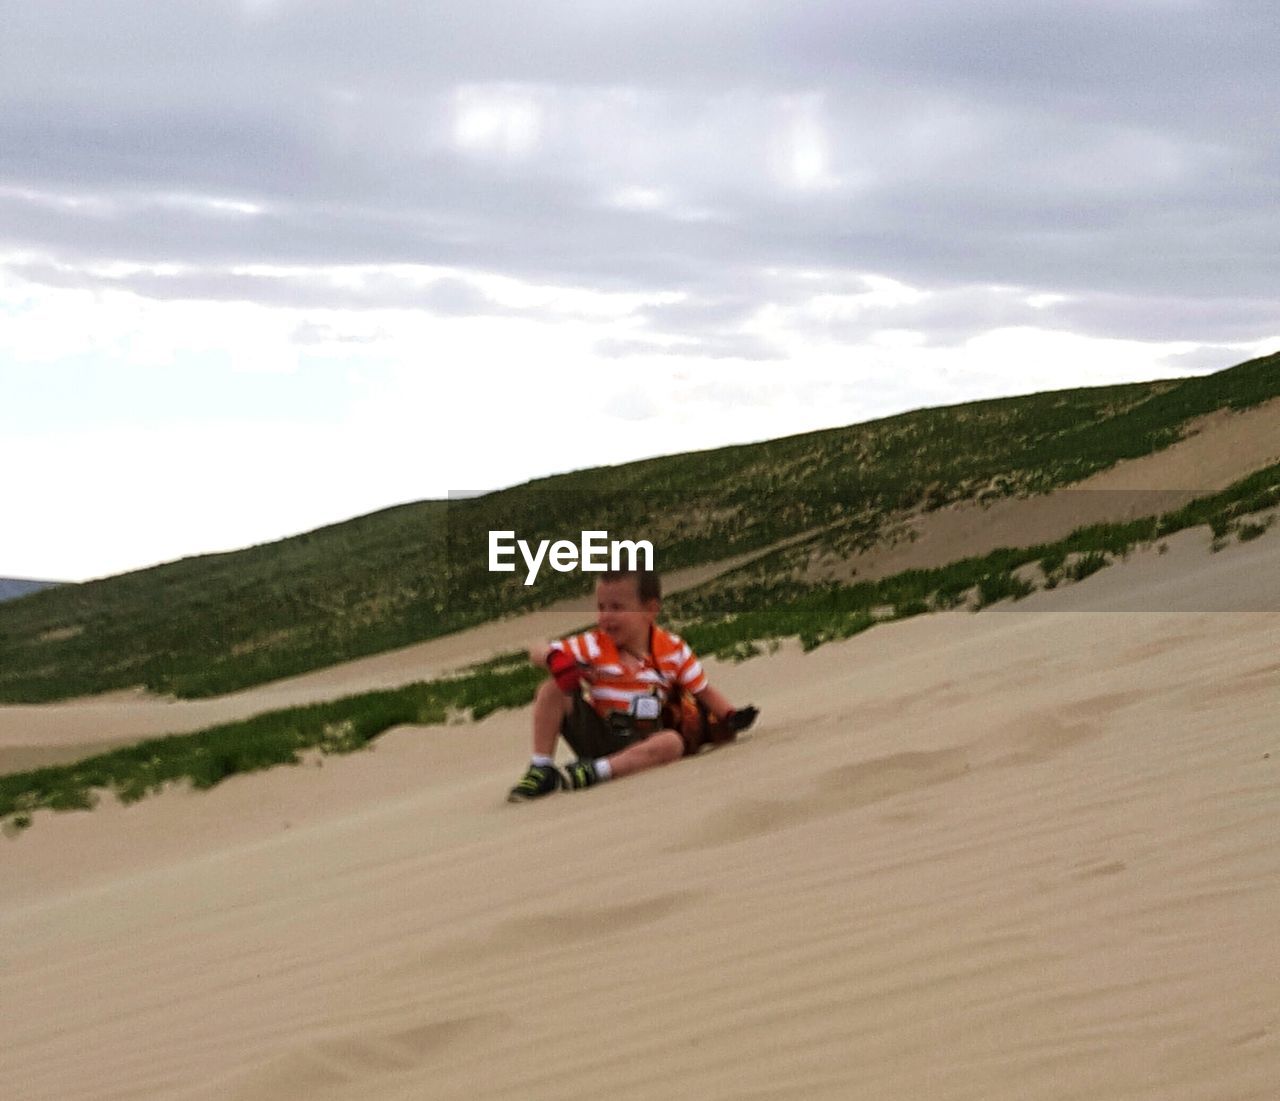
(564, 669)
(692, 673)
(715, 702)
(737, 718)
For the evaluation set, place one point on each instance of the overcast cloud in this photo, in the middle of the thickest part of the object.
(785, 184)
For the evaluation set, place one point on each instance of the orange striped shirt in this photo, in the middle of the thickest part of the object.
(614, 685)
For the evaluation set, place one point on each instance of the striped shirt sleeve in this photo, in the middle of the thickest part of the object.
(689, 672)
(583, 648)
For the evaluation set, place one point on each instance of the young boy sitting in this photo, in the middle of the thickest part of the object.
(626, 696)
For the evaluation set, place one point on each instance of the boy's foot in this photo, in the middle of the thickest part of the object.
(540, 780)
(582, 774)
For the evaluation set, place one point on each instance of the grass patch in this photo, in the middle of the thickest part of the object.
(909, 608)
(1053, 561)
(1250, 531)
(1087, 565)
(1004, 585)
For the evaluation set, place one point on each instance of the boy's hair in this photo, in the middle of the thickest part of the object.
(648, 583)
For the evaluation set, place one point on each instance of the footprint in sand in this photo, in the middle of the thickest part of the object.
(583, 923)
(842, 789)
(1039, 737)
(520, 936)
(1094, 871)
(346, 1059)
(1023, 741)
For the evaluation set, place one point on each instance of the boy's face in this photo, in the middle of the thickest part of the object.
(621, 614)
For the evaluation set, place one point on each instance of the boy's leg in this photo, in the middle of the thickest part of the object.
(658, 749)
(550, 707)
(607, 754)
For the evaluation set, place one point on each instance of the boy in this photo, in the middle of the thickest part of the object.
(623, 695)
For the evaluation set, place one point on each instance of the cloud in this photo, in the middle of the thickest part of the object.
(741, 346)
(952, 315)
(1213, 357)
(817, 212)
(1063, 150)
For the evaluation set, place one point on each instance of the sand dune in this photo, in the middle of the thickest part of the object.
(963, 857)
(1218, 450)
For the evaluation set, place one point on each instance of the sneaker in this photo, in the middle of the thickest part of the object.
(540, 780)
(582, 774)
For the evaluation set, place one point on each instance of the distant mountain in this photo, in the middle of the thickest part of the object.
(11, 588)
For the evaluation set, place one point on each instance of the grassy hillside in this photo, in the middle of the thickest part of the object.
(209, 625)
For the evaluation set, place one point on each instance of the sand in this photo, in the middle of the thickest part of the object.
(1024, 854)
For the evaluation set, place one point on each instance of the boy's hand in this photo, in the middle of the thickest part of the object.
(565, 671)
(740, 720)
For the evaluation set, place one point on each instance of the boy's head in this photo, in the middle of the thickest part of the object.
(627, 605)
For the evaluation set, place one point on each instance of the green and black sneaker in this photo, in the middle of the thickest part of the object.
(582, 774)
(540, 780)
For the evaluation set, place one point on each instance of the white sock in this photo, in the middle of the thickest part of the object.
(543, 760)
(603, 769)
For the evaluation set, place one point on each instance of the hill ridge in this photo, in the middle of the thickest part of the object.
(210, 625)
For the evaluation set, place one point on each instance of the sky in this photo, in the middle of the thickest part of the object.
(270, 264)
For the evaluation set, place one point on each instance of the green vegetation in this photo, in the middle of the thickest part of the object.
(1086, 565)
(210, 625)
(279, 737)
(1248, 531)
(1004, 585)
(814, 614)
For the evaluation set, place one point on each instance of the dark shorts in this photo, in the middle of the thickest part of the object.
(589, 735)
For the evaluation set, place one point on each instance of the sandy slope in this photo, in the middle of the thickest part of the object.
(1218, 450)
(1027, 856)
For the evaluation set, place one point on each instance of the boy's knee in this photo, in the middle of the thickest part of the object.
(666, 746)
(548, 689)
(549, 692)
